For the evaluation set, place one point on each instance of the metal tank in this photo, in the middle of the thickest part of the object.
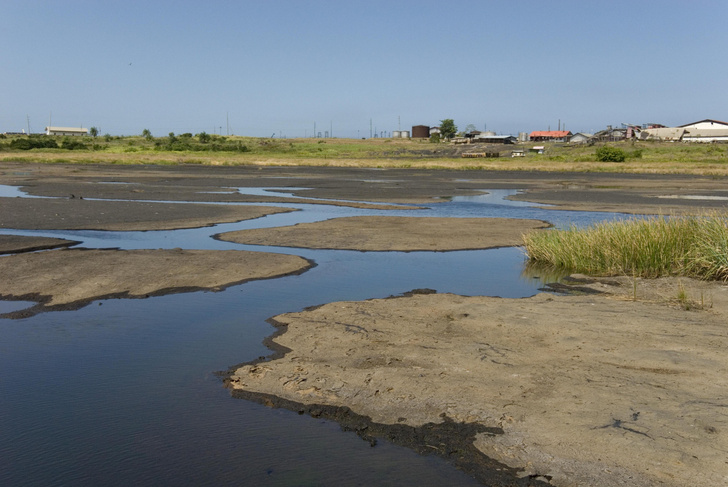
(420, 131)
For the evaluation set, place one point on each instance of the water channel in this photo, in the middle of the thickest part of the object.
(124, 392)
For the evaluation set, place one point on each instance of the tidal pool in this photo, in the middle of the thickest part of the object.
(125, 392)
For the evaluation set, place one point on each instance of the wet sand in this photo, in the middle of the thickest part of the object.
(387, 233)
(13, 244)
(582, 390)
(69, 279)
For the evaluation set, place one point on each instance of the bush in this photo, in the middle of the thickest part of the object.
(27, 143)
(72, 144)
(610, 154)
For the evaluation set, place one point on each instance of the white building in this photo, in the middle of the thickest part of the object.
(706, 131)
(73, 131)
(706, 125)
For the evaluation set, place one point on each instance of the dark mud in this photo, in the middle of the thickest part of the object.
(450, 440)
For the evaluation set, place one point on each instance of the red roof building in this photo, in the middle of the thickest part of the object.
(553, 135)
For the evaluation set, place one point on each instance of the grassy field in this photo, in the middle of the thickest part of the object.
(642, 157)
(695, 246)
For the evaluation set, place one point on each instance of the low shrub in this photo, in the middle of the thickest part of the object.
(39, 142)
(610, 154)
(70, 143)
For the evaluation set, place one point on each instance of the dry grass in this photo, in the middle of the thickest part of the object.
(648, 157)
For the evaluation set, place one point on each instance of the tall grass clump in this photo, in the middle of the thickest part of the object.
(652, 247)
(710, 255)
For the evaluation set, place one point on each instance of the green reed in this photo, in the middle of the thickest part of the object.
(695, 246)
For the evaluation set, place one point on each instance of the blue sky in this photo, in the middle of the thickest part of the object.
(279, 66)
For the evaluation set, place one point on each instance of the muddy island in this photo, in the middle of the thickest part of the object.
(388, 233)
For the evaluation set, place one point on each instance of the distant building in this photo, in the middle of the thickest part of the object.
(671, 134)
(581, 138)
(706, 125)
(706, 135)
(73, 131)
(550, 135)
(489, 138)
(612, 134)
(705, 131)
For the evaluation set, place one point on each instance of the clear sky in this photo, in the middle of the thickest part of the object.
(279, 66)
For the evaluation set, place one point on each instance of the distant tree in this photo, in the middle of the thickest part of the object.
(448, 128)
(147, 134)
(435, 138)
(172, 138)
(204, 137)
(470, 128)
(93, 131)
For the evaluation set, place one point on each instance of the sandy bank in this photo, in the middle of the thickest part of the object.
(589, 390)
(84, 214)
(387, 233)
(11, 244)
(67, 279)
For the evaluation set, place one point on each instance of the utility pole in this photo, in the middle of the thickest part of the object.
(370, 128)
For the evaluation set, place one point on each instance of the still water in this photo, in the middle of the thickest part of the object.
(124, 392)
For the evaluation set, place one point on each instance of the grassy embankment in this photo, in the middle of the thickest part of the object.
(695, 246)
(643, 157)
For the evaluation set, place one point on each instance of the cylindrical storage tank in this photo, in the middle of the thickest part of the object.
(420, 131)
(396, 134)
(489, 133)
(523, 136)
(404, 134)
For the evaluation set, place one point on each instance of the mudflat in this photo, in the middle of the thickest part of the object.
(584, 390)
(11, 244)
(626, 387)
(69, 279)
(389, 233)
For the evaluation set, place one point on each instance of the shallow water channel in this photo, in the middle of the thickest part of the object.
(124, 392)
